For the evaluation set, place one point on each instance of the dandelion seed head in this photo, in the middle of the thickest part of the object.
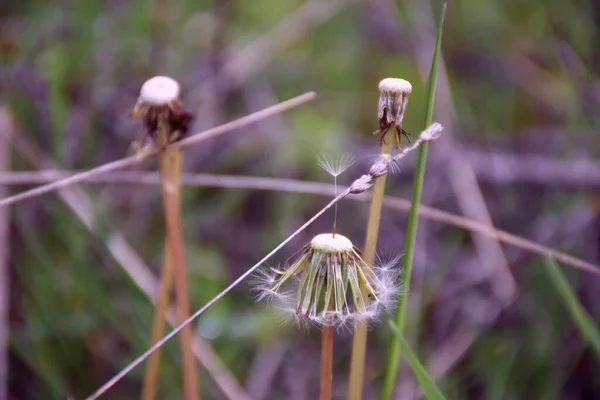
(335, 167)
(330, 285)
(159, 91)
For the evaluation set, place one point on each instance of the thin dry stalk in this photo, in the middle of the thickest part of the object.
(359, 341)
(6, 125)
(170, 170)
(158, 326)
(326, 362)
(327, 335)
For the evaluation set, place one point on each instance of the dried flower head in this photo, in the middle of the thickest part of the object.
(393, 99)
(330, 284)
(165, 118)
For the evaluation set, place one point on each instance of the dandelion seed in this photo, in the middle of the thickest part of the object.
(393, 99)
(335, 287)
(335, 167)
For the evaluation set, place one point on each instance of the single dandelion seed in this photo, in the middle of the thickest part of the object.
(159, 103)
(335, 167)
(330, 273)
(393, 99)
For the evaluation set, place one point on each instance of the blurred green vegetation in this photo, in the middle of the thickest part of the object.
(522, 78)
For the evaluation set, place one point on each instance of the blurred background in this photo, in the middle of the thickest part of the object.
(517, 93)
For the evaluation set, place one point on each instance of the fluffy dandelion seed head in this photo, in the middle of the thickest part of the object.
(159, 91)
(395, 86)
(329, 244)
(330, 285)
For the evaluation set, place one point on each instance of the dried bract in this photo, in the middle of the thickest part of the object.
(330, 284)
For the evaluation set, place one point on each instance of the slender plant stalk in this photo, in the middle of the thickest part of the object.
(411, 234)
(158, 326)
(170, 184)
(170, 165)
(359, 341)
(326, 362)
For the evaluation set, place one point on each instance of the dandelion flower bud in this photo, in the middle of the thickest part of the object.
(330, 284)
(393, 99)
(164, 115)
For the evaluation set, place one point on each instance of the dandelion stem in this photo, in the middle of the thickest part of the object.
(158, 327)
(359, 341)
(170, 166)
(411, 230)
(326, 362)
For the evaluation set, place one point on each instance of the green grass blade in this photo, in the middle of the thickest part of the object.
(584, 322)
(411, 234)
(432, 392)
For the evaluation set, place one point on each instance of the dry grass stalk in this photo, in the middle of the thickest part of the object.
(158, 327)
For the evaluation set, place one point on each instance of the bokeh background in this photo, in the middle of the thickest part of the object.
(518, 94)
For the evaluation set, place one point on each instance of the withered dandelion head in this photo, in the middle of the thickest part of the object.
(164, 115)
(393, 99)
(330, 284)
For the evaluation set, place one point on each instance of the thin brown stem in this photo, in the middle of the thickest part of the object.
(359, 341)
(158, 327)
(326, 362)
(170, 166)
(7, 126)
